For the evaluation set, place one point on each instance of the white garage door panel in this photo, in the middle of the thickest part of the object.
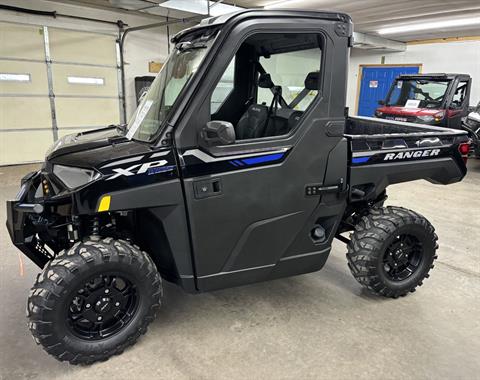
(21, 41)
(38, 78)
(81, 47)
(63, 87)
(24, 112)
(20, 147)
(74, 112)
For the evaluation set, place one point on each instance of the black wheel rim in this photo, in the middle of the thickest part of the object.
(102, 307)
(402, 257)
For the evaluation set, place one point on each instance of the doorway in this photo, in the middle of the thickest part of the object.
(375, 81)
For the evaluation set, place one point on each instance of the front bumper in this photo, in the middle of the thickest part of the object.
(24, 236)
(22, 232)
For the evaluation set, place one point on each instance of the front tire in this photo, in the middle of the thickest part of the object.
(94, 300)
(391, 251)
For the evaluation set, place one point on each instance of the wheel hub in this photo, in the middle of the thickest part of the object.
(402, 258)
(102, 306)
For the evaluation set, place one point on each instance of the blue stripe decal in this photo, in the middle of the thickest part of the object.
(262, 159)
(160, 169)
(359, 160)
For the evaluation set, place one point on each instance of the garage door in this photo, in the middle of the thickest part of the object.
(53, 82)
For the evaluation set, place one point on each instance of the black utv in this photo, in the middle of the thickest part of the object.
(239, 165)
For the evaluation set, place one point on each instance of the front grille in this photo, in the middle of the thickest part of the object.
(409, 119)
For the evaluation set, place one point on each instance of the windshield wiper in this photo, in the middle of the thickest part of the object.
(122, 128)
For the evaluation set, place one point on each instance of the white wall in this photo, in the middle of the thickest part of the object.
(449, 57)
(140, 47)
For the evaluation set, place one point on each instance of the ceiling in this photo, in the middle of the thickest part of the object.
(368, 15)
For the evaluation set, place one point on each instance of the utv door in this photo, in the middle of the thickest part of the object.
(459, 103)
(254, 205)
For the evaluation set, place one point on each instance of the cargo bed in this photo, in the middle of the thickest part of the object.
(384, 152)
(368, 134)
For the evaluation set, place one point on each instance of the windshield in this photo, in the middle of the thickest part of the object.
(418, 93)
(180, 66)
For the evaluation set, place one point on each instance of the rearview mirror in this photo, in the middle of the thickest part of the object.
(381, 102)
(218, 132)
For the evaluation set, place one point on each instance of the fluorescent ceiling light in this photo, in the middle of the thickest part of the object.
(430, 25)
(85, 80)
(200, 7)
(8, 77)
(274, 4)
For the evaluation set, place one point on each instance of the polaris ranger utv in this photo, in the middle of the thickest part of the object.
(433, 99)
(210, 195)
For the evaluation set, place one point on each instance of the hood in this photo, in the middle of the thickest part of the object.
(83, 141)
(403, 111)
(94, 148)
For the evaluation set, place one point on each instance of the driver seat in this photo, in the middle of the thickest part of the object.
(253, 122)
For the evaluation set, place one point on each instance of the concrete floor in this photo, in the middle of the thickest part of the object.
(320, 325)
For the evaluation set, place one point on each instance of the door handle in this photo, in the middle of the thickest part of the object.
(207, 188)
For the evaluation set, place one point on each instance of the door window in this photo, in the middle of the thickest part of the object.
(223, 88)
(279, 80)
(289, 71)
(459, 95)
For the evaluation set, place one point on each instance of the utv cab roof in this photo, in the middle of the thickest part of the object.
(232, 18)
(439, 76)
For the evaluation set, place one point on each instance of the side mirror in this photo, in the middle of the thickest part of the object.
(381, 102)
(218, 132)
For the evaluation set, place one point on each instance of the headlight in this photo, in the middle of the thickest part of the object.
(378, 113)
(426, 119)
(74, 177)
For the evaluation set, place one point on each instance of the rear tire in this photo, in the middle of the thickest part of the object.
(391, 251)
(94, 300)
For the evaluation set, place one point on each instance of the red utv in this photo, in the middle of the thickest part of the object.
(434, 99)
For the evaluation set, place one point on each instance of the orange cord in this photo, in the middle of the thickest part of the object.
(20, 261)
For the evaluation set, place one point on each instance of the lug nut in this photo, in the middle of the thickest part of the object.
(117, 303)
(107, 291)
(87, 305)
(99, 318)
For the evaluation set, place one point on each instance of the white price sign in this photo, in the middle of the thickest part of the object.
(412, 103)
